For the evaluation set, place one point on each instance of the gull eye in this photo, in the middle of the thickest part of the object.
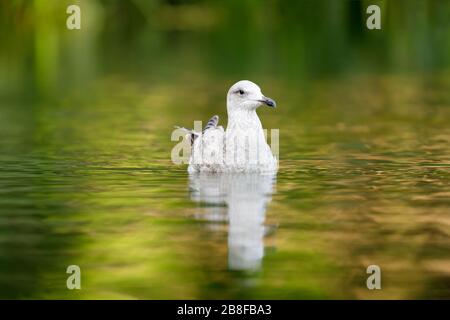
(241, 92)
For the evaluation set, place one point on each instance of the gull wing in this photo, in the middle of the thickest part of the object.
(211, 124)
(207, 148)
(192, 135)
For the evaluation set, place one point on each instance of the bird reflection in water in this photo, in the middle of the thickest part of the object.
(241, 200)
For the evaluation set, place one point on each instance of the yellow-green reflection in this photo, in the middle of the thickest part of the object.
(85, 167)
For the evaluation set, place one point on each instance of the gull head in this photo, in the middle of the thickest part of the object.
(246, 95)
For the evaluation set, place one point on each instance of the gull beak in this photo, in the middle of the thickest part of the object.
(268, 102)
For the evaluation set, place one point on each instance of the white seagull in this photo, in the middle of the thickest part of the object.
(242, 147)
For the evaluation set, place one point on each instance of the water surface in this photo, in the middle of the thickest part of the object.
(364, 179)
(86, 177)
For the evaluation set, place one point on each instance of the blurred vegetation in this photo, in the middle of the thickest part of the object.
(86, 116)
(292, 40)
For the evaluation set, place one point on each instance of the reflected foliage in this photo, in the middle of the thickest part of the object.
(86, 176)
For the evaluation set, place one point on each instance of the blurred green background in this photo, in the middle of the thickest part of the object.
(85, 123)
(171, 40)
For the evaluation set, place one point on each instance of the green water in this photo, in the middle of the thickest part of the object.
(86, 177)
(363, 180)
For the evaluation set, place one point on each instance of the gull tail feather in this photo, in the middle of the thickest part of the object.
(212, 123)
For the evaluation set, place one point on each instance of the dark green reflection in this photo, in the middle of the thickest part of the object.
(85, 124)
